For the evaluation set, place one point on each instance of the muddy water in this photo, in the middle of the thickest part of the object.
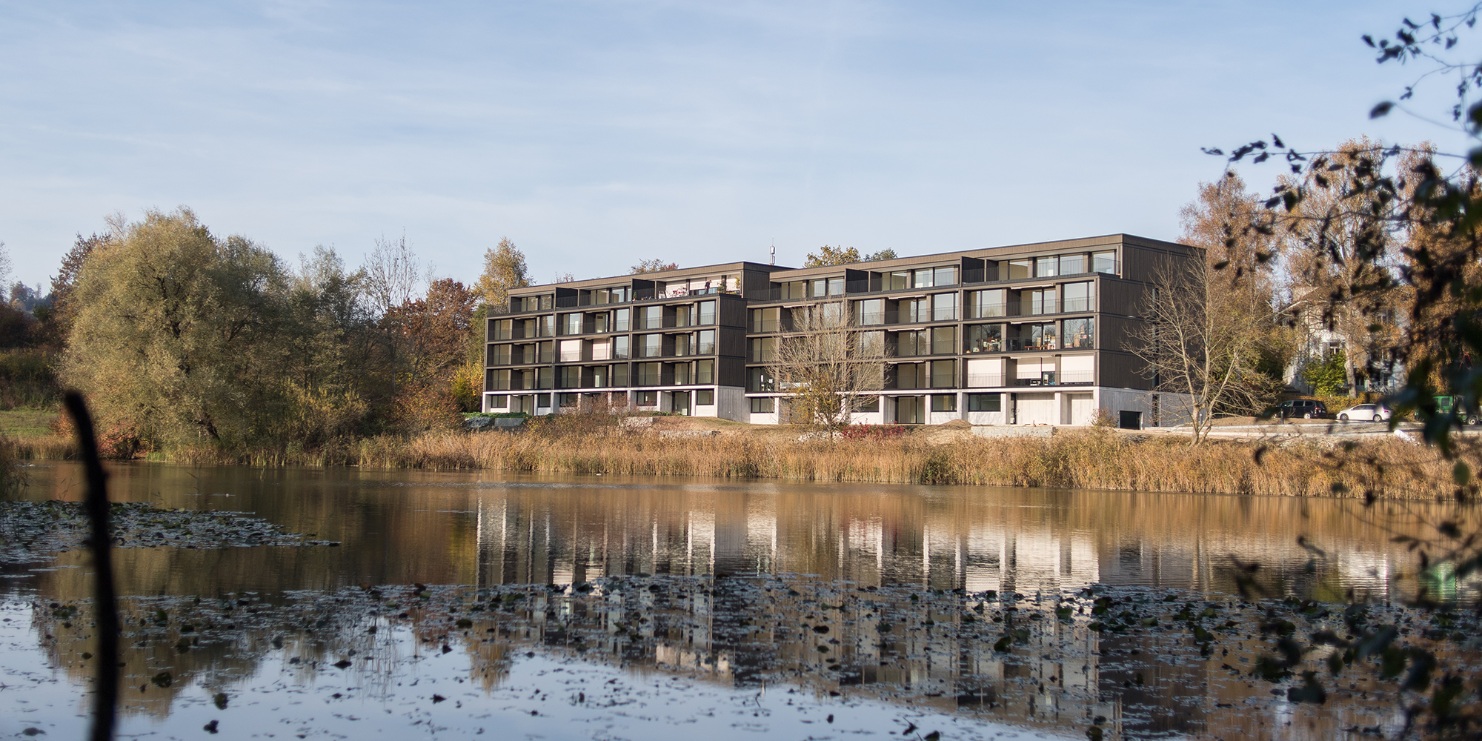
(802, 610)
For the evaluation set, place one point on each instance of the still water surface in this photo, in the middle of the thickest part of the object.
(722, 566)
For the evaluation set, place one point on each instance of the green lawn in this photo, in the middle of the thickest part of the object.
(26, 423)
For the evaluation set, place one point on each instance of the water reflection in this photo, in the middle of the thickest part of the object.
(901, 593)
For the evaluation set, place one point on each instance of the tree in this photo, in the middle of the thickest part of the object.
(336, 377)
(825, 362)
(830, 255)
(654, 265)
(392, 273)
(177, 334)
(433, 335)
(504, 268)
(57, 318)
(1200, 343)
(885, 254)
(1343, 254)
(1241, 248)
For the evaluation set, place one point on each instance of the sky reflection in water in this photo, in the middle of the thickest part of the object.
(888, 555)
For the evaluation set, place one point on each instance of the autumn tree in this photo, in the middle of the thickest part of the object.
(829, 255)
(825, 363)
(654, 265)
(1241, 249)
(1343, 253)
(504, 268)
(433, 335)
(177, 333)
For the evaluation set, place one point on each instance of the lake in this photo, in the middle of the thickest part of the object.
(467, 603)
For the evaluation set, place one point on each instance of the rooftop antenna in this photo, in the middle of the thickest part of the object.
(774, 253)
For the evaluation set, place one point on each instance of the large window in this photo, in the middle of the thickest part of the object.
(985, 304)
(1079, 333)
(944, 402)
(942, 374)
(1079, 296)
(620, 321)
(1046, 267)
(650, 317)
(570, 351)
(681, 373)
(569, 377)
(1034, 337)
(1104, 262)
(766, 320)
(650, 345)
(898, 280)
(704, 342)
(983, 338)
(760, 379)
(682, 345)
(504, 329)
(1022, 268)
(1041, 301)
(865, 404)
(943, 340)
(647, 398)
(705, 398)
(571, 323)
(499, 354)
(914, 310)
(648, 374)
(912, 342)
(869, 312)
(985, 402)
(763, 349)
(1072, 264)
(946, 276)
(944, 307)
(620, 348)
(619, 374)
(705, 371)
(764, 405)
(499, 380)
(923, 278)
(705, 313)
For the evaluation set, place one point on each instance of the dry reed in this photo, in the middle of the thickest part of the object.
(1094, 458)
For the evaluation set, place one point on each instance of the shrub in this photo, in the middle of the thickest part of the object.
(873, 432)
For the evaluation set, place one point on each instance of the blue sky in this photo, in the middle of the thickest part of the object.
(595, 134)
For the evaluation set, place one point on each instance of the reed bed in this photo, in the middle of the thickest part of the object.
(1094, 458)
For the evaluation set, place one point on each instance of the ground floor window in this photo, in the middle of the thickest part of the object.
(647, 398)
(499, 402)
(985, 402)
(705, 397)
(944, 402)
(763, 405)
(865, 404)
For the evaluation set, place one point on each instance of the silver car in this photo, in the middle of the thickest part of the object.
(1365, 413)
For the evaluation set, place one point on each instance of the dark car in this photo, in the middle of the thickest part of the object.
(1302, 408)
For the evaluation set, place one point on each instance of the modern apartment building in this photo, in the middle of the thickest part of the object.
(1023, 334)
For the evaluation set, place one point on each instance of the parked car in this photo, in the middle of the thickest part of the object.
(1365, 413)
(1302, 408)
(1447, 404)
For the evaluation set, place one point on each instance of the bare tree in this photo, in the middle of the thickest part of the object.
(826, 362)
(392, 274)
(1202, 344)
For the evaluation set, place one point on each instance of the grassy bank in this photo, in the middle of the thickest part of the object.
(1091, 458)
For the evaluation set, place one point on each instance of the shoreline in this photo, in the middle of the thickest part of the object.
(1364, 466)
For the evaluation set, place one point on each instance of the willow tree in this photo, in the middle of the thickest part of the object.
(826, 363)
(175, 333)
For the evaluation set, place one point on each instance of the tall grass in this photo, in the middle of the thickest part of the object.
(1094, 458)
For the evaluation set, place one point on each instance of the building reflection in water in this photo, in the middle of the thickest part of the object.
(832, 544)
